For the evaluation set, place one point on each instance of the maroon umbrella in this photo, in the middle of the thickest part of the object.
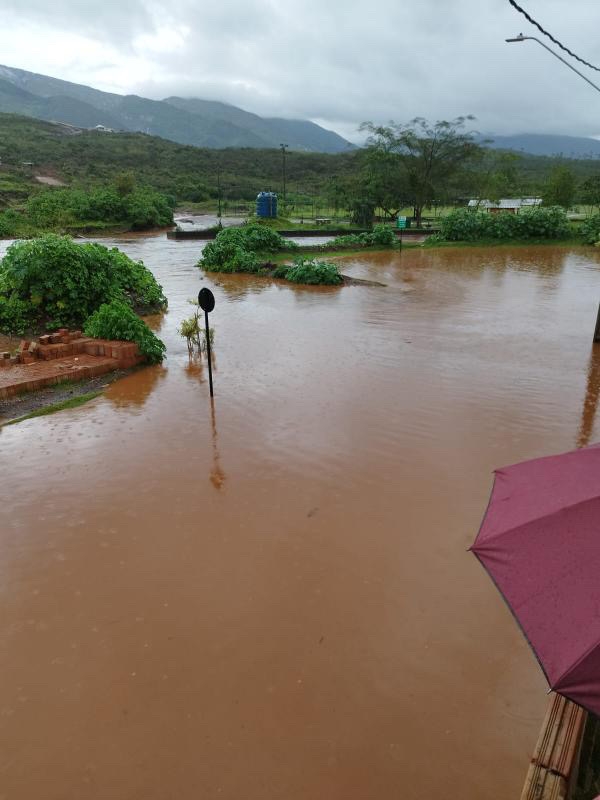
(540, 544)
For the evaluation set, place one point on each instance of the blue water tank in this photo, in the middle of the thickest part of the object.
(266, 204)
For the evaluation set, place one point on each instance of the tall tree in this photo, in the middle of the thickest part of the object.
(430, 153)
(590, 191)
(560, 188)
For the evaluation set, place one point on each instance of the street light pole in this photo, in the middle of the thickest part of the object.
(219, 193)
(521, 38)
(283, 149)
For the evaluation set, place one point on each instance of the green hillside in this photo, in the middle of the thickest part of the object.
(87, 158)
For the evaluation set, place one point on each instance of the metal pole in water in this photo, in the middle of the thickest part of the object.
(208, 353)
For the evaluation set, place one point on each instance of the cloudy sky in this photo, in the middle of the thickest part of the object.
(334, 62)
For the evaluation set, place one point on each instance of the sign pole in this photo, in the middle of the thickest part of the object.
(208, 353)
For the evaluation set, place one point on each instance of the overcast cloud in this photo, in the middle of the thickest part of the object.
(337, 63)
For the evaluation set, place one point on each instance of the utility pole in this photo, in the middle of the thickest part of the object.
(219, 193)
(283, 148)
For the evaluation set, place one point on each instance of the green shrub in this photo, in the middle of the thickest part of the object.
(235, 249)
(381, 236)
(59, 208)
(281, 271)
(9, 224)
(116, 320)
(349, 240)
(62, 283)
(14, 315)
(257, 238)
(313, 272)
(466, 225)
(148, 209)
(224, 256)
(590, 229)
(463, 225)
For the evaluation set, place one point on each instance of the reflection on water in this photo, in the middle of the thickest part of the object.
(134, 390)
(196, 370)
(237, 287)
(217, 475)
(269, 597)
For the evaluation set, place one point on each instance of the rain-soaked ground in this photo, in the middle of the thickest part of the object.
(271, 599)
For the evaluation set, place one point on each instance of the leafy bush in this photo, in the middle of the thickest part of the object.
(590, 229)
(116, 320)
(381, 236)
(14, 315)
(9, 224)
(58, 282)
(59, 208)
(465, 225)
(312, 272)
(147, 209)
(235, 249)
(257, 238)
(349, 240)
(219, 256)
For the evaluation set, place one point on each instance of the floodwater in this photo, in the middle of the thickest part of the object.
(270, 598)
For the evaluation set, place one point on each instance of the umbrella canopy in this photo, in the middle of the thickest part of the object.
(540, 544)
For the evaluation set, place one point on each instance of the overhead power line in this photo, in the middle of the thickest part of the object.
(549, 35)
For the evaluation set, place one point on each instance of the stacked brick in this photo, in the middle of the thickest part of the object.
(64, 355)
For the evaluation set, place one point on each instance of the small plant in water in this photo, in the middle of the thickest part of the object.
(194, 332)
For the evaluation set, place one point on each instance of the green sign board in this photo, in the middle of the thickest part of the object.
(402, 222)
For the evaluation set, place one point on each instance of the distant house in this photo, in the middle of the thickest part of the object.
(103, 129)
(511, 204)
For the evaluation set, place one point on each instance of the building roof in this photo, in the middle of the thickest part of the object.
(506, 202)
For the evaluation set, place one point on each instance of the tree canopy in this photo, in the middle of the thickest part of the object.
(421, 157)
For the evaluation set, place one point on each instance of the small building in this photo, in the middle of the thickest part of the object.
(103, 129)
(511, 204)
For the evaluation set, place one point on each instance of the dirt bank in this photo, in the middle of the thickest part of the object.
(14, 407)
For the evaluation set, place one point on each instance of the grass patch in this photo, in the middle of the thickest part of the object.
(72, 402)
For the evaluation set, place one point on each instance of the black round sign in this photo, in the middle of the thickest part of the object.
(206, 299)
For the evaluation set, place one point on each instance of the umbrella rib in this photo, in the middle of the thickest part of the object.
(516, 619)
(577, 662)
(524, 524)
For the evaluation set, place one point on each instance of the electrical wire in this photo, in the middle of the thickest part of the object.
(549, 35)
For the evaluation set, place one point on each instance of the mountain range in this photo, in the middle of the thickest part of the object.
(203, 123)
(212, 124)
(542, 144)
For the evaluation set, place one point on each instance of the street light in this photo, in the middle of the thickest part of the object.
(219, 194)
(521, 38)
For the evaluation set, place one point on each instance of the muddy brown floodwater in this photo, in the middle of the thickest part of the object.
(272, 599)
